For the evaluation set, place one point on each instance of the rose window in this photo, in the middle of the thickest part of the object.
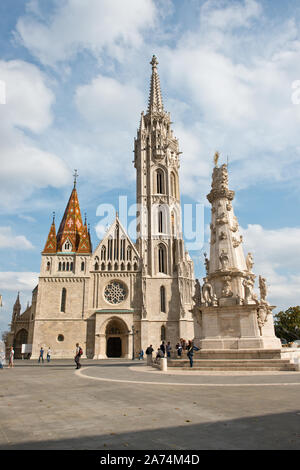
(115, 292)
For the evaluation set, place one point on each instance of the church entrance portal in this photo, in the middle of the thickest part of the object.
(114, 347)
(116, 335)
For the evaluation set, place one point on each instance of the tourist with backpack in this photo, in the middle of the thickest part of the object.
(79, 353)
(190, 352)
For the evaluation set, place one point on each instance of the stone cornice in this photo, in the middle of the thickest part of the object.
(216, 194)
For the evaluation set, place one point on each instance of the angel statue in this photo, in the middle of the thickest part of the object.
(249, 262)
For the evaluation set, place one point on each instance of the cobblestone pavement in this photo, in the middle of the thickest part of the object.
(117, 404)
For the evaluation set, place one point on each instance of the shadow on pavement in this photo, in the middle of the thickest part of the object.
(273, 432)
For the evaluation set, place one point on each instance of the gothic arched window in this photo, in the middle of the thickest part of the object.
(48, 266)
(59, 266)
(162, 259)
(160, 221)
(129, 253)
(160, 186)
(122, 256)
(110, 248)
(82, 265)
(162, 299)
(163, 333)
(173, 185)
(63, 299)
(103, 253)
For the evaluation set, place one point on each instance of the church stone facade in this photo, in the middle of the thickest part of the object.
(123, 291)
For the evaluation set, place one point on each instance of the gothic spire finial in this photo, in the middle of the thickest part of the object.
(155, 98)
(154, 62)
(53, 215)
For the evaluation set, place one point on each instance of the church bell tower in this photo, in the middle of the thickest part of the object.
(167, 270)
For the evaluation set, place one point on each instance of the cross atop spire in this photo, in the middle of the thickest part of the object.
(155, 98)
(75, 177)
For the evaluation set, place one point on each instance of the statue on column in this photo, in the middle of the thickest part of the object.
(250, 297)
(207, 293)
(249, 262)
(224, 260)
(197, 298)
(262, 288)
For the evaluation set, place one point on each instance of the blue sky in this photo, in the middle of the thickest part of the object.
(77, 78)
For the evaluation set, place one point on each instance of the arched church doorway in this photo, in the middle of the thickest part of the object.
(20, 338)
(116, 338)
(114, 347)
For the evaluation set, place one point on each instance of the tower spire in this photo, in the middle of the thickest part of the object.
(155, 98)
(50, 246)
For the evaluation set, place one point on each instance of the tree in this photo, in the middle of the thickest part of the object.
(287, 324)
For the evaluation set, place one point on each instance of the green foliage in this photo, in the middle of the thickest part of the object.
(287, 324)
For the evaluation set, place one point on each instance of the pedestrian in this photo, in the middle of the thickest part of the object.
(190, 352)
(141, 355)
(41, 356)
(168, 349)
(11, 357)
(149, 352)
(49, 352)
(79, 353)
(163, 348)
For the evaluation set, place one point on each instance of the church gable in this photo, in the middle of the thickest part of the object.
(116, 252)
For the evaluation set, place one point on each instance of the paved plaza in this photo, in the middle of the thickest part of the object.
(121, 404)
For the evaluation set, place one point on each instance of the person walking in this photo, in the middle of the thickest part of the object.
(149, 352)
(141, 355)
(49, 352)
(79, 353)
(41, 356)
(190, 352)
(11, 357)
(168, 349)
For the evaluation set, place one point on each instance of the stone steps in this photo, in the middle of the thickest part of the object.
(233, 364)
(238, 354)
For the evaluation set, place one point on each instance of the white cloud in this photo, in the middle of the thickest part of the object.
(8, 240)
(223, 15)
(18, 281)
(76, 25)
(24, 166)
(276, 257)
(108, 102)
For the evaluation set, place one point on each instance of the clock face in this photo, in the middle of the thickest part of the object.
(115, 292)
